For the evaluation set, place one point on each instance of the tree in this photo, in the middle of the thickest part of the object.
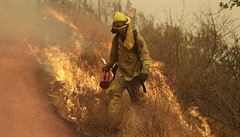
(230, 4)
(117, 5)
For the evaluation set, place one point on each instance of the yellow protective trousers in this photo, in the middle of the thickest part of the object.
(115, 92)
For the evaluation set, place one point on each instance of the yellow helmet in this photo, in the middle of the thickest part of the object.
(120, 21)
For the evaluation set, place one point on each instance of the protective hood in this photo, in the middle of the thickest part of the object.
(129, 41)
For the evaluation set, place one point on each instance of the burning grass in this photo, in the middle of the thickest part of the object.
(76, 94)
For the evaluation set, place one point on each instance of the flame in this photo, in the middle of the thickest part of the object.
(207, 130)
(64, 20)
(64, 68)
(104, 61)
(77, 79)
(61, 18)
(159, 85)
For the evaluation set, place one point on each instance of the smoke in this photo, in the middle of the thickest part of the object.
(29, 19)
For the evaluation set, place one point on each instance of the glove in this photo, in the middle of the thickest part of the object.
(143, 77)
(106, 68)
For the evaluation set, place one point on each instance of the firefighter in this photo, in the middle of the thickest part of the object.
(132, 66)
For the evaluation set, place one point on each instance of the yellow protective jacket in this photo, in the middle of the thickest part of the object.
(127, 60)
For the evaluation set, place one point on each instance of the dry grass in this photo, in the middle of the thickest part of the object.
(196, 81)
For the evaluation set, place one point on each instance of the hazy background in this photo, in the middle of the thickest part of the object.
(21, 19)
(22, 16)
(159, 8)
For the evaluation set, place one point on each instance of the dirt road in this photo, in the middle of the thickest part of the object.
(25, 109)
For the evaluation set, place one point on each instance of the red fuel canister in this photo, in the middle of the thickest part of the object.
(105, 80)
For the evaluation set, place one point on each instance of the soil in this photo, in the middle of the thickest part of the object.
(25, 108)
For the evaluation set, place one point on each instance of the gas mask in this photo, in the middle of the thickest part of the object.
(114, 31)
(118, 31)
